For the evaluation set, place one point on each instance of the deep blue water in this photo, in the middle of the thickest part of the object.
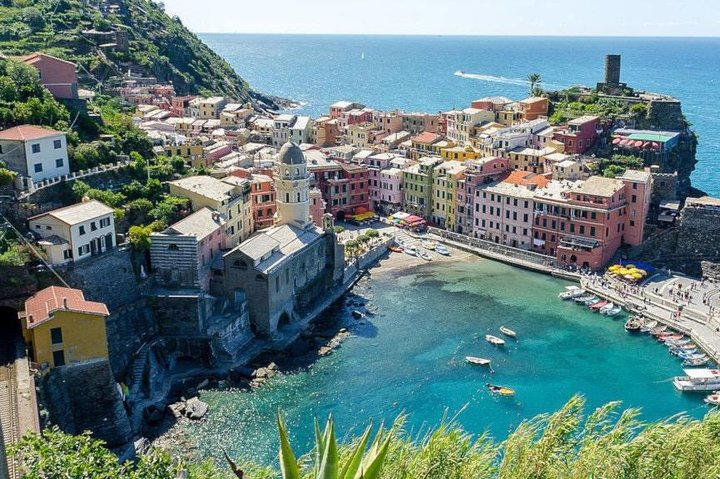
(409, 357)
(417, 72)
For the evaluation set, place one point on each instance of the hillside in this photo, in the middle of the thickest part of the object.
(108, 39)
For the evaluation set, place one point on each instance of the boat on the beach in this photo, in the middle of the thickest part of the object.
(395, 249)
(633, 324)
(696, 362)
(648, 326)
(410, 250)
(442, 249)
(508, 332)
(494, 340)
(701, 379)
(500, 390)
(595, 307)
(713, 399)
(571, 292)
(614, 311)
(477, 361)
(430, 245)
(425, 255)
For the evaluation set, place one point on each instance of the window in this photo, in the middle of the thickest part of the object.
(57, 144)
(59, 163)
(58, 358)
(82, 230)
(38, 167)
(67, 254)
(173, 247)
(35, 148)
(93, 226)
(56, 336)
(1, 150)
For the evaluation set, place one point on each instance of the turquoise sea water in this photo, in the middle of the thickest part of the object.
(409, 357)
(417, 72)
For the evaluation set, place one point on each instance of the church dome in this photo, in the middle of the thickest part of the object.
(291, 154)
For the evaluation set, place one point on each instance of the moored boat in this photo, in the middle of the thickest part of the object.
(614, 311)
(425, 255)
(696, 362)
(508, 332)
(607, 307)
(442, 249)
(668, 339)
(477, 361)
(698, 380)
(598, 306)
(411, 251)
(633, 324)
(500, 390)
(713, 399)
(494, 340)
(591, 301)
(648, 326)
(583, 297)
(571, 292)
(658, 330)
(430, 245)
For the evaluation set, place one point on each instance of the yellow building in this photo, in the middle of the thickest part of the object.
(61, 327)
(446, 177)
(460, 153)
(193, 154)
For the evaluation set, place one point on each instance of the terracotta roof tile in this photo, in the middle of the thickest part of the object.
(27, 132)
(40, 307)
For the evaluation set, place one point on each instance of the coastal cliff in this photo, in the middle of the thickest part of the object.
(109, 39)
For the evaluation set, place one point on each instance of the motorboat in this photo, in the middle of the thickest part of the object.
(584, 297)
(683, 347)
(494, 340)
(429, 245)
(696, 362)
(658, 330)
(713, 399)
(614, 311)
(670, 338)
(595, 307)
(442, 249)
(425, 255)
(606, 307)
(411, 251)
(648, 326)
(592, 301)
(508, 332)
(500, 390)
(571, 292)
(477, 361)
(679, 342)
(633, 324)
(700, 379)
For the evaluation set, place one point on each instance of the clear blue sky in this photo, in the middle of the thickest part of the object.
(453, 17)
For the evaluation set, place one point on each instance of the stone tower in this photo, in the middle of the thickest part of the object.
(612, 70)
(292, 183)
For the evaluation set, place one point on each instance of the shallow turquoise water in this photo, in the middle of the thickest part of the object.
(410, 358)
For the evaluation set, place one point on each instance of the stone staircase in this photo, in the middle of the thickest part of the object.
(138, 370)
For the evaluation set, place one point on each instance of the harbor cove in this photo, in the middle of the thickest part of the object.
(407, 357)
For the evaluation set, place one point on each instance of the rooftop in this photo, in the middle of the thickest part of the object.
(582, 120)
(206, 186)
(635, 175)
(525, 178)
(41, 306)
(79, 212)
(199, 224)
(600, 186)
(27, 133)
(703, 201)
(427, 138)
(271, 247)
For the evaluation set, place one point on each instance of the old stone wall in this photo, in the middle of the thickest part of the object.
(127, 328)
(84, 397)
(666, 115)
(181, 315)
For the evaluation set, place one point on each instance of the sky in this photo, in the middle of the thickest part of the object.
(453, 17)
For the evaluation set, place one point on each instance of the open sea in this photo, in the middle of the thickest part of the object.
(417, 73)
(409, 357)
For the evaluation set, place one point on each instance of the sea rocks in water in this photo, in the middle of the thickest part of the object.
(195, 409)
(177, 409)
(324, 351)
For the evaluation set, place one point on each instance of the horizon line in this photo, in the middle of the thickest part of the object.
(457, 35)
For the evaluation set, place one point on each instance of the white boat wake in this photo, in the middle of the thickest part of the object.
(501, 79)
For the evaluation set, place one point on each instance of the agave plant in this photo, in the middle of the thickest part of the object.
(359, 465)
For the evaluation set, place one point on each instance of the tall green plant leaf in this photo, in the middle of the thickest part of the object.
(288, 463)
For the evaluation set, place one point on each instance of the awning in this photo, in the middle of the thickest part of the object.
(616, 141)
(412, 219)
(538, 242)
(400, 215)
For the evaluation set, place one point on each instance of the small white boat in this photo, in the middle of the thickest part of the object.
(442, 249)
(583, 297)
(494, 340)
(477, 361)
(614, 311)
(411, 251)
(571, 292)
(606, 308)
(648, 326)
(713, 399)
(696, 362)
(429, 245)
(425, 255)
(508, 332)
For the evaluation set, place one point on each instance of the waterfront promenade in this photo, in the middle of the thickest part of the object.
(686, 305)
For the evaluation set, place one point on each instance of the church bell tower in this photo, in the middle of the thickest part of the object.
(292, 185)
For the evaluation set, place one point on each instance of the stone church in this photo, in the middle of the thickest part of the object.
(283, 271)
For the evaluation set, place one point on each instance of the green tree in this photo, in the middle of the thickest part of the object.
(534, 79)
(139, 237)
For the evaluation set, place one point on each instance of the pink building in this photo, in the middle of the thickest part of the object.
(263, 203)
(214, 152)
(584, 223)
(180, 105)
(579, 135)
(504, 209)
(477, 173)
(389, 123)
(338, 109)
(58, 76)
(389, 192)
(317, 206)
(491, 103)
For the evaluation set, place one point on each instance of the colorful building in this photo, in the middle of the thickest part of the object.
(477, 173)
(347, 193)
(446, 178)
(534, 107)
(57, 75)
(579, 135)
(263, 201)
(61, 327)
(418, 185)
(34, 152)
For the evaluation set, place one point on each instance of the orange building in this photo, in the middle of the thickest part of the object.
(534, 108)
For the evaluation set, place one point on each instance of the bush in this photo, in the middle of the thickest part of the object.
(139, 237)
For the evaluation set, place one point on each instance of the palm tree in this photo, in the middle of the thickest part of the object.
(534, 79)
